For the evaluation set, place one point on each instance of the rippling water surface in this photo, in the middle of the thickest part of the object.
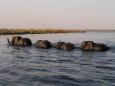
(30, 66)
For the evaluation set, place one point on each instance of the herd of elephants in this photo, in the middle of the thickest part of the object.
(85, 45)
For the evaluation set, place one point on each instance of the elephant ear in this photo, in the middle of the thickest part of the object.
(20, 42)
(90, 45)
(58, 45)
(83, 45)
(66, 46)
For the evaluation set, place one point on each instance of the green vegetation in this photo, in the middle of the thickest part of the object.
(36, 31)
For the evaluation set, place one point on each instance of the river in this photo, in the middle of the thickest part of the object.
(31, 66)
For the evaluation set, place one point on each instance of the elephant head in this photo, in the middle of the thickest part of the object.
(43, 44)
(19, 41)
(59, 45)
(87, 45)
(90, 45)
(65, 46)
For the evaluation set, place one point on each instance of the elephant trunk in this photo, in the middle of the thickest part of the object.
(8, 40)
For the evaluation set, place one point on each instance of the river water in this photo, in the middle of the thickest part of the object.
(30, 66)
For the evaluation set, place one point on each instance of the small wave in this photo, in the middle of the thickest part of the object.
(105, 67)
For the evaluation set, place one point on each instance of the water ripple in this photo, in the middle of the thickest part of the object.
(30, 66)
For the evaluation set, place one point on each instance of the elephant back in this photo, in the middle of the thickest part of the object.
(65, 46)
(100, 47)
(26, 42)
(43, 44)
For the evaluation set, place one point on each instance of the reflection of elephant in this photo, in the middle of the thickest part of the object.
(19, 41)
(90, 45)
(65, 46)
(43, 44)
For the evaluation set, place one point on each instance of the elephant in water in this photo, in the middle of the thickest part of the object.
(90, 45)
(43, 44)
(19, 41)
(65, 46)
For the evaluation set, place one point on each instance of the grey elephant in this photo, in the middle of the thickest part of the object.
(90, 45)
(43, 44)
(19, 41)
(65, 46)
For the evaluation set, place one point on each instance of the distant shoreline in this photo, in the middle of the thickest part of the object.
(46, 31)
(100, 30)
(37, 31)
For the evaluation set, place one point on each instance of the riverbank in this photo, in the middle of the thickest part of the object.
(37, 31)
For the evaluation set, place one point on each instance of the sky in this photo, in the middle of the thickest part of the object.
(79, 14)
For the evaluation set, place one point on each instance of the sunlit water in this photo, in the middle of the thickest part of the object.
(30, 66)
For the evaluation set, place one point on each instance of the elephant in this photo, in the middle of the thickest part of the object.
(65, 46)
(25, 42)
(90, 45)
(43, 44)
(19, 41)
